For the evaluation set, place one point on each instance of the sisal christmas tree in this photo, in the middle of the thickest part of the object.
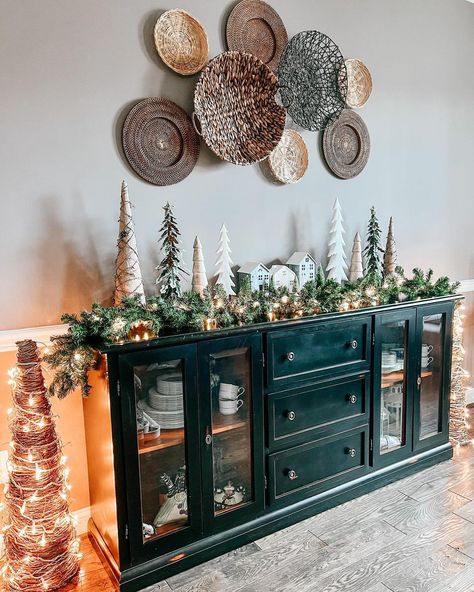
(337, 265)
(373, 249)
(390, 255)
(170, 269)
(128, 277)
(356, 270)
(224, 263)
(41, 547)
(199, 280)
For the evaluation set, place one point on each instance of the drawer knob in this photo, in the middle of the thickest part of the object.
(292, 475)
(354, 344)
(351, 452)
(352, 399)
(290, 356)
(291, 415)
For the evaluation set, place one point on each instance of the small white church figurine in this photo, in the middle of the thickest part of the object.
(304, 266)
(258, 274)
(283, 277)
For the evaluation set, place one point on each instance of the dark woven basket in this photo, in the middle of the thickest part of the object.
(255, 27)
(346, 145)
(160, 142)
(235, 106)
(313, 76)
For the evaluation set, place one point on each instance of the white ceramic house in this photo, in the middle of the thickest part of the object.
(283, 277)
(258, 274)
(304, 266)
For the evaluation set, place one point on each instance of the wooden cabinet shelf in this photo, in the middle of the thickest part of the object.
(389, 380)
(222, 423)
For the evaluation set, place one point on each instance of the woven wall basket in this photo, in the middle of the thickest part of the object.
(181, 41)
(313, 76)
(235, 108)
(255, 27)
(160, 142)
(289, 161)
(359, 84)
(346, 145)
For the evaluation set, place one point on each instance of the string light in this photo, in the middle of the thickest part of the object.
(41, 550)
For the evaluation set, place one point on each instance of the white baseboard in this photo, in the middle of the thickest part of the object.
(43, 334)
(466, 286)
(82, 516)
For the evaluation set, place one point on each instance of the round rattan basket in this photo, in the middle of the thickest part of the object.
(181, 41)
(160, 142)
(346, 145)
(255, 27)
(359, 84)
(235, 108)
(289, 161)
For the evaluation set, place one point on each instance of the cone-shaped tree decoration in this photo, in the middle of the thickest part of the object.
(170, 269)
(356, 270)
(128, 277)
(458, 432)
(41, 547)
(199, 281)
(373, 249)
(337, 265)
(224, 263)
(390, 256)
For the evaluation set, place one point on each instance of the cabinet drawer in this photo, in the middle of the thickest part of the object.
(318, 410)
(311, 468)
(322, 348)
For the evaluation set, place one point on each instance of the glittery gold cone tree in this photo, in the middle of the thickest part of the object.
(41, 550)
(128, 277)
(458, 432)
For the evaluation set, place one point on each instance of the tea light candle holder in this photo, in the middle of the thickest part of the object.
(210, 324)
(271, 316)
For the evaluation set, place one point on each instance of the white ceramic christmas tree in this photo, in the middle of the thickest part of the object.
(356, 270)
(128, 277)
(390, 255)
(224, 263)
(199, 279)
(337, 265)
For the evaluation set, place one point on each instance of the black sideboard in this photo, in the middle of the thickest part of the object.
(261, 427)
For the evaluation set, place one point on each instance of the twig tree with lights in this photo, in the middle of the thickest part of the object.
(390, 255)
(41, 550)
(128, 277)
(337, 266)
(225, 276)
(171, 268)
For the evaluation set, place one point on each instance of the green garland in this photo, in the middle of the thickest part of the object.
(74, 354)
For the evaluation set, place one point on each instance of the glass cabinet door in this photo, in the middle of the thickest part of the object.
(230, 375)
(164, 430)
(433, 357)
(393, 386)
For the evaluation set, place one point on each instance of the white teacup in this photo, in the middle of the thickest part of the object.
(426, 350)
(426, 361)
(229, 407)
(230, 391)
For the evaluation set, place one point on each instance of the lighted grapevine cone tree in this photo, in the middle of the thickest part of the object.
(41, 549)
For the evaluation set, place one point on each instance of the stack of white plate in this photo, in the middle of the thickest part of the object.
(168, 420)
(166, 401)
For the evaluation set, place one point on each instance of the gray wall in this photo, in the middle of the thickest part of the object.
(69, 70)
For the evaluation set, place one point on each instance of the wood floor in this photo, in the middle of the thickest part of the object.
(415, 535)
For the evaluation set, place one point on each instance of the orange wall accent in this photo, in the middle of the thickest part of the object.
(70, 426)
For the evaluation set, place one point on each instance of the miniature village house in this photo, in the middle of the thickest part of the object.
(304, 266)
(282, 276)
(257, 273)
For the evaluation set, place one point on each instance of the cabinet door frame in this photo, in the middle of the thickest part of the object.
(211, 522)
(446, 310)
(140, 550)
(409, 316)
